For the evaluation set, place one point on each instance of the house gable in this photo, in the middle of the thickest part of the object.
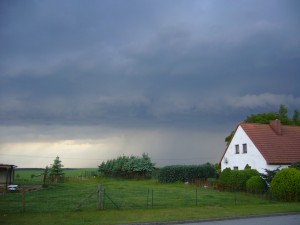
(239, 159)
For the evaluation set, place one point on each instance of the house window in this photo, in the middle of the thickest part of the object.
(237, 149)
(236, 168)
(244, 148)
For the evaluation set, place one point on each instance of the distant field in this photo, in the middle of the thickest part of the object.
(35, 176)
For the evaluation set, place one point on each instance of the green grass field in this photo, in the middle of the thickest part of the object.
(35, 176)
(138, 200)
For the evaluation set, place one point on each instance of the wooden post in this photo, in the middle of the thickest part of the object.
(99, 205)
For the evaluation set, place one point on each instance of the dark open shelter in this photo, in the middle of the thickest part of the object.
(7, 173)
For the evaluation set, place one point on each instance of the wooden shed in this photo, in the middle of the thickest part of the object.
(7, 173)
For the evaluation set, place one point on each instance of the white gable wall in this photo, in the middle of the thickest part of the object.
(253, 157)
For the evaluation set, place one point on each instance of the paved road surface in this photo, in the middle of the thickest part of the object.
(268, 220)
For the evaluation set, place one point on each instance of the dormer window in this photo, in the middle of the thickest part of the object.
(244, 148)
(237, 149)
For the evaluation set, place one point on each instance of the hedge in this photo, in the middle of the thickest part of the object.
(182, 173)
(235, 180)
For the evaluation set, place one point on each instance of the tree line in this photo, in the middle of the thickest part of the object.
(127, 167)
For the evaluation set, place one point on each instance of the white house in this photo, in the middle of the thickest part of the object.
(262, 146)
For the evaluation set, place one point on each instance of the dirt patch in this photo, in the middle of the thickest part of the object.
(30, 188)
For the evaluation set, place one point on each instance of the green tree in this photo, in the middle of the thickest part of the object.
(217, 167)
(283, 115)
(262, 118)
(229, 137)
(296, 120)
(283, 111)
(127, 167)
(56, 171)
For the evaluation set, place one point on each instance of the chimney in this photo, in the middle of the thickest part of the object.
(276, 126)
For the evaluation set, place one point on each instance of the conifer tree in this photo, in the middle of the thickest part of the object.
(56, 171)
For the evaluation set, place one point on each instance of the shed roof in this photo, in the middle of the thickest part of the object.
(7, 166)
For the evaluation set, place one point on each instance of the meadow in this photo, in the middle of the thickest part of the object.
(126, 201)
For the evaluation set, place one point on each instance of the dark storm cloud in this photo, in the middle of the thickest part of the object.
(170, 78)
(146, 62)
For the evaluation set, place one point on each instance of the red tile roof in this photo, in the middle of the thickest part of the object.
(276, 148)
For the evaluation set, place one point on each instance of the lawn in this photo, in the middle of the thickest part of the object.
(138, 201)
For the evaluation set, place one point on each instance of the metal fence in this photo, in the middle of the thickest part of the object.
(90, 197)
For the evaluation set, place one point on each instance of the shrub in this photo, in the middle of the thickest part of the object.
(235, 180)
(128, 167)
(256, 184)
(268, 175)
(240, 177)
(184, 173)
(296, 165)
(224, 179)
(286, 183)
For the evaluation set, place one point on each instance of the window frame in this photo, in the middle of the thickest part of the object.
(245, 148)
(237, 149)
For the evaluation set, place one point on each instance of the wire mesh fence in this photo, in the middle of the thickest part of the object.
(90, 196)
(57, 198)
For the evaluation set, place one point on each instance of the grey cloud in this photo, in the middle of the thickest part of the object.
(195, 65)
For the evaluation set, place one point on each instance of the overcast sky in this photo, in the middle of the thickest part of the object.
(92, 80)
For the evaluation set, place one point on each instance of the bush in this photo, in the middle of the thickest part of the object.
(256, 184)
(268, 175)
(169, 174)
(235, 180)
(127, 167)
(286, 183)
(224, 179)
(296, 165)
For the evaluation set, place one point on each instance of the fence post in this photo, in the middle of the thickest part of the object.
(23, 199)
(148, 198)
(99, 199)
(152, 198)
(196, 196)
(103, 204)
